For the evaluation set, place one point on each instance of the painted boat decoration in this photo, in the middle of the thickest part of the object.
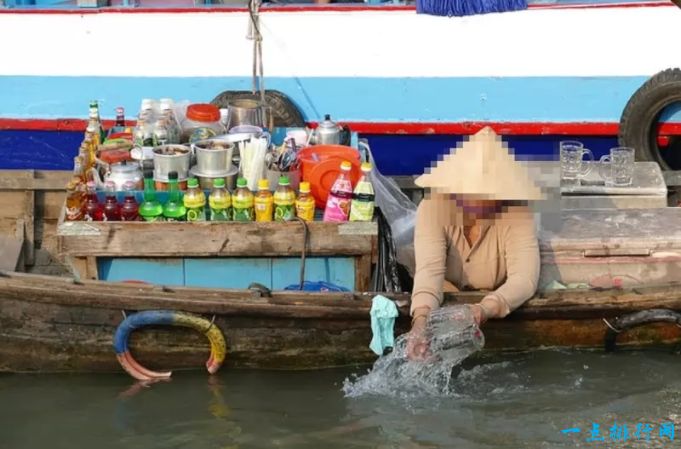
(555, 70)
(50, 324)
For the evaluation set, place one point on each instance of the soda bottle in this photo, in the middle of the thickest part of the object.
(305, 206)
(220, 201)
(150, 209)
(94, 210)
(284, 201)
(112, 210)
(173, 209)
(75, 207)
(129, 208)
(194, 201)
(160, 133)
(242, 202)
(96, 120)
(264, 202)
(120, 118)
(338, 203)
(167, 107)
(362, 206)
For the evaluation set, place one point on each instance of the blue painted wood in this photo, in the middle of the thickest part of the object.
(227, 272)
(336, 270)
(164, 271)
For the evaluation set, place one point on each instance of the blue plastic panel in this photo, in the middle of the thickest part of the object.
(163, 271)
(227, 272)
(336, 270)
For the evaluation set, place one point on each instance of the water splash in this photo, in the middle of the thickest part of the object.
(452, 336)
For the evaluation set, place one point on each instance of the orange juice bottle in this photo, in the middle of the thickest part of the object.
(284, 201)
(305, 203)
(264, 202)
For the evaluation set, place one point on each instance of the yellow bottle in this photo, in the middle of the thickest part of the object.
(264, 202)
(305, 203)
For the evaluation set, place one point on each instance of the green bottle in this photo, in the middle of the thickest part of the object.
(150, 209)
(194, 201)
(173, 209)
(243, 202)
(220, 202)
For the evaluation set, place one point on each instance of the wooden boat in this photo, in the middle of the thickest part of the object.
(50, 323)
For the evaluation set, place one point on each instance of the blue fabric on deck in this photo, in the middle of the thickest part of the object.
(383, 314)
(320, 286)
(458, 8)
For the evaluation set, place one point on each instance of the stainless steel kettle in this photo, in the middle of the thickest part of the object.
(329, 132)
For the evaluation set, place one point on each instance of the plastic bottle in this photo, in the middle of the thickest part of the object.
(305, 205)
(96, 120)
(194, 201)
(129, 208)
(338, 203)
(94, 210)
(112, 210)
(284, 201)
(264, 202)
(150, 209)
(75, 206)
(173, 209)
(242, 202)
(363, 198)
(220, 201)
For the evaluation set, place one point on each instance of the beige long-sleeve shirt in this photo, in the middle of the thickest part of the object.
(504, 260)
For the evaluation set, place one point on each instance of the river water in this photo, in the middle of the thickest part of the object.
(509, 401)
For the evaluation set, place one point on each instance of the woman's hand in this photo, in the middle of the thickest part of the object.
(417, 340)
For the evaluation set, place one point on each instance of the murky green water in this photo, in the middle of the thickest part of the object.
(514, 401)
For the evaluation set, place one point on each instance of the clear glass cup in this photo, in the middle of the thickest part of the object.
(572, 166)
(617, 168)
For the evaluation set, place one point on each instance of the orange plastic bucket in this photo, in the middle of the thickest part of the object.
(320, 166)
(311, 156)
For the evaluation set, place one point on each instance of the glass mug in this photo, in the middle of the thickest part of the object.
(572, 166)
(617, 168)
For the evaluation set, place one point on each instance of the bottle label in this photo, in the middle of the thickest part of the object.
(305, 209)
(219, 214)
(284, 212)
(263, 209)
(337, 209)
(196, 214)
(201, 134)
(361, 210)
(73, 213)
(243, 213)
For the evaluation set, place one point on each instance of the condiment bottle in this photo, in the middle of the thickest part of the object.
(74, 200)
(112, 210)
(242, 202)
(129, 208)
(94, 210)
(362, 206)
(305, 205)
(338, 203)
(195, 201)
(284, 201)
(173, 209)
(264, 202)
(220, 201)
(150, 209)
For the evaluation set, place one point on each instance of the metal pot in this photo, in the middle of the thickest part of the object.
(247, 112)
(119, 174)
(213, 155)
(329, 132)
(168, 158)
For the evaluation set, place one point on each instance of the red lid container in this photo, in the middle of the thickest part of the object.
(203, 112)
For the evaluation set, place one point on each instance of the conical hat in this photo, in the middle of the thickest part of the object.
(482, 167)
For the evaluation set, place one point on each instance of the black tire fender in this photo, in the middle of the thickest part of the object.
(641, 114)
(284, 110)
(635, 320)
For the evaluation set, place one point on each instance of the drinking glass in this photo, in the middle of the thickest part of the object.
(572, 166)
(617, 168)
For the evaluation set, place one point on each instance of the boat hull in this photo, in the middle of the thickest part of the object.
(51, 324)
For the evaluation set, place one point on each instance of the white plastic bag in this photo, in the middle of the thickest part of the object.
(399, 210)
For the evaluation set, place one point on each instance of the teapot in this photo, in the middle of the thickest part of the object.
(119, 174)
(329, 132)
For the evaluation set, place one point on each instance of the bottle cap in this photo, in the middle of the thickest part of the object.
(263, 184)
(367, 167)
(241, 182)
(304, 187)
(172, 175)
(345, 165)
(120, 110)
(192, 182)
(283, 181)
(219, 182)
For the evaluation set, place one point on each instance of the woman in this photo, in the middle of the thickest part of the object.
(474, 231)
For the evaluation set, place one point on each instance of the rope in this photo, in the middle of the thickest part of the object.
(306, 238)
(614, 329)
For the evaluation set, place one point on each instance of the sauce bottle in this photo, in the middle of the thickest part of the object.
(194, 201)
(173, 209)
(264, 202)
(362, 206)
(242, 202)
(112, 210)
(129, 208)
(284, 201)
(338, 203)
(94, 210)
(220, 201)
(150, 209)
(305, 205)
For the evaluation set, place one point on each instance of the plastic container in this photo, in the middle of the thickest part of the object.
(242, 202)
(338, 204)
(194, 201)
(284, 201)
(310, 157)
(202, 122)
(363, 198)
(305, 204)
(264, 202)
(220, 202)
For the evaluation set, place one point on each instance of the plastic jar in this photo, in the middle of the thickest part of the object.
(202, 122)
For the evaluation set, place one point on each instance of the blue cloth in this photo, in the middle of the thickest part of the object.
(383, 314)
(320, 286)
